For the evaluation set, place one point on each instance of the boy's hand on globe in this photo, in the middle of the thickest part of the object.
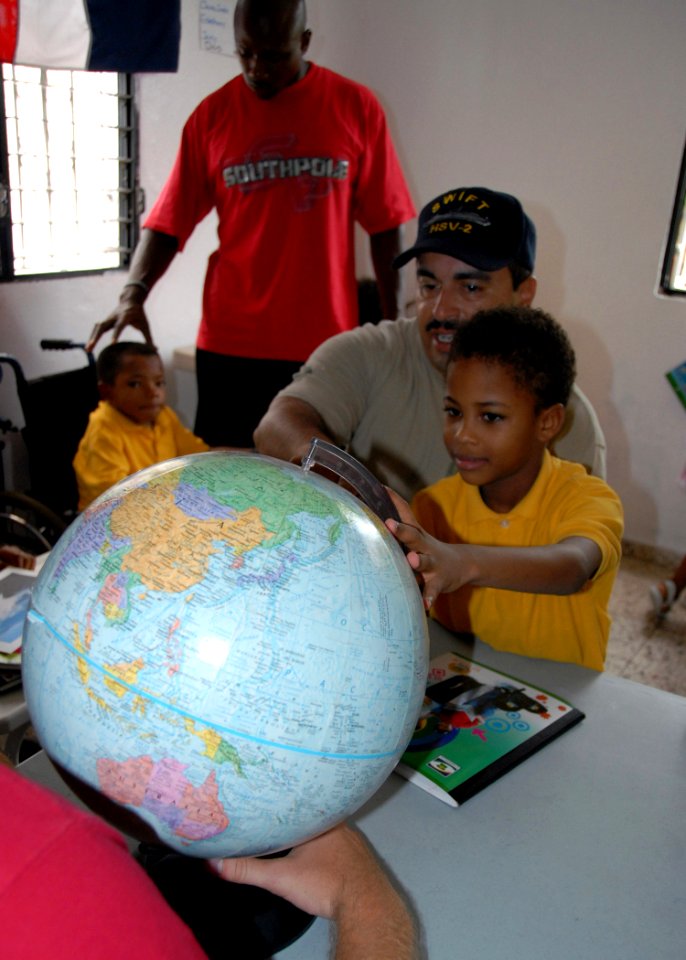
(437, 564)
(337, 876)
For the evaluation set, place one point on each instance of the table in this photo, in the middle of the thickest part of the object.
(579, 853)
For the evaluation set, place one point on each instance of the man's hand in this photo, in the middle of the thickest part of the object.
(316, 876)
(128, 313)
(154, 253)
(337, 876)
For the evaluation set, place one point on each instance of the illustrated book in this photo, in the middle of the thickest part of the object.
(475, 725)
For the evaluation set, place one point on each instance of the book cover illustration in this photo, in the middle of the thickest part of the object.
(475, 725)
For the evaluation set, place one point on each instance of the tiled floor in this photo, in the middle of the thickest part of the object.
(643, 647)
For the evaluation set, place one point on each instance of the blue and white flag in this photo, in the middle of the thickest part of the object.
(125, 36)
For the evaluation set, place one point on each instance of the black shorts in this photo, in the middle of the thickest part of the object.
(234, 393)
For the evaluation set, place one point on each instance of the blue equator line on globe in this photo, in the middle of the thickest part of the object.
(34, 615)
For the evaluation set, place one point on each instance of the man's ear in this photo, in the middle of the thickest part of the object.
(525, 292)
(550, 421)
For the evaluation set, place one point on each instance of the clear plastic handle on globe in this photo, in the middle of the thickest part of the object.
(370, 490)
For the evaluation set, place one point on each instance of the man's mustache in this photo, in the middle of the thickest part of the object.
(441, 325)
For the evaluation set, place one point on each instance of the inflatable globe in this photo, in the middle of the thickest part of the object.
(230, 648)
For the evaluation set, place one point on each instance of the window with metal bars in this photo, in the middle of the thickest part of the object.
(67, 172)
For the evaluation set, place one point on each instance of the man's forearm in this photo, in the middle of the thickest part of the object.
(338, 876)
(385, 247)
(287, 429)
(379, 929)
(151, 258)
(153, 254)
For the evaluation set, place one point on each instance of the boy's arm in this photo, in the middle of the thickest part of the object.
(559, 568)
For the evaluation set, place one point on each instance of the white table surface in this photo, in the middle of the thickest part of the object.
(579, 853)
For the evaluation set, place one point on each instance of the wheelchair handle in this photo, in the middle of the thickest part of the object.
(60, 345)
(67, 345)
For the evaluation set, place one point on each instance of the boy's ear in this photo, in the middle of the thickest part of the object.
(550, 422)
(104, 390)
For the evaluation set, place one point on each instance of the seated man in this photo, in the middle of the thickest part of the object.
(378, 391)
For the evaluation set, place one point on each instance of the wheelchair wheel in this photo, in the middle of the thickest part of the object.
(27, 523)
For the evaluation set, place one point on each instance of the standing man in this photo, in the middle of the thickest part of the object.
(379, 391)
(290, 155)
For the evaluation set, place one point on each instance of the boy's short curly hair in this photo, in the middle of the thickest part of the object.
(527, 341)
(110, 359)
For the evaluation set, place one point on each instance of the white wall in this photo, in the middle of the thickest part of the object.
(575, 106)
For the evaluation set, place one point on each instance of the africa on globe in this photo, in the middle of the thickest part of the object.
(229, 647)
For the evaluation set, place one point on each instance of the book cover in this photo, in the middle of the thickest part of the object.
(677, 380)
(475, 725)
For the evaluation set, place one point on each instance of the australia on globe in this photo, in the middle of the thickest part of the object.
(229, 647)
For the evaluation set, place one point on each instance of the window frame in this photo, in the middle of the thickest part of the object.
(130, 194)
(677, 230)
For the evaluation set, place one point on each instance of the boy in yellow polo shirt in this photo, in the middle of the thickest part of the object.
(131, 427)
(519, 547)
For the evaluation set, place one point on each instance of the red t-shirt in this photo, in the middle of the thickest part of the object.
(70, 888)
(288, 177)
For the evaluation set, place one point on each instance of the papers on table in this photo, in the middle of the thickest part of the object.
(15, 596)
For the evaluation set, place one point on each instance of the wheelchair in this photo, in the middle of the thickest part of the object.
(55, 409)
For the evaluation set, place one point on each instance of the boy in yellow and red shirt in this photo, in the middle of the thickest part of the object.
(519, 547)
(132, 427)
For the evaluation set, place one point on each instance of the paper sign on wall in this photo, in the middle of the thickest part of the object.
(216, 27)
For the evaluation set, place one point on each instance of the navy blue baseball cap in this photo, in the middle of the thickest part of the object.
(484, 228)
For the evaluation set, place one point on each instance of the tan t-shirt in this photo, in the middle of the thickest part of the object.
(382, 400)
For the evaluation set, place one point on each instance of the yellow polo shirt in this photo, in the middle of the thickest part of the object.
(563, 502)
(114, 447)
